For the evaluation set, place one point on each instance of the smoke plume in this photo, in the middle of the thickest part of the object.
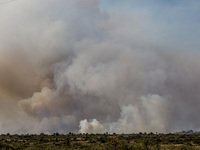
(70, 66)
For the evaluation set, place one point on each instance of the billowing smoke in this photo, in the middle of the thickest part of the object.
(70, 66)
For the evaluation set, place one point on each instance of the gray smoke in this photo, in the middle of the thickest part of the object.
(69, 66)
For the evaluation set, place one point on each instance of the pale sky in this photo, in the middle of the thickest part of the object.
(174, 22)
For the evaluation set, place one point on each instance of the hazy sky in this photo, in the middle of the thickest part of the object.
(173, 22)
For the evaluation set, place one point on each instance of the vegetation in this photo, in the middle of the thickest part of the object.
(141, 141)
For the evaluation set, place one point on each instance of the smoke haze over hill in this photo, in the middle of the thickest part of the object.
(73, 66)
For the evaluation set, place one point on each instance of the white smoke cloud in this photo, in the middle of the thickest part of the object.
(151, 115)
(67, 66)
(91, 127)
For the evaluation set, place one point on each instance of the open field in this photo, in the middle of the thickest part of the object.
(141, 141)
